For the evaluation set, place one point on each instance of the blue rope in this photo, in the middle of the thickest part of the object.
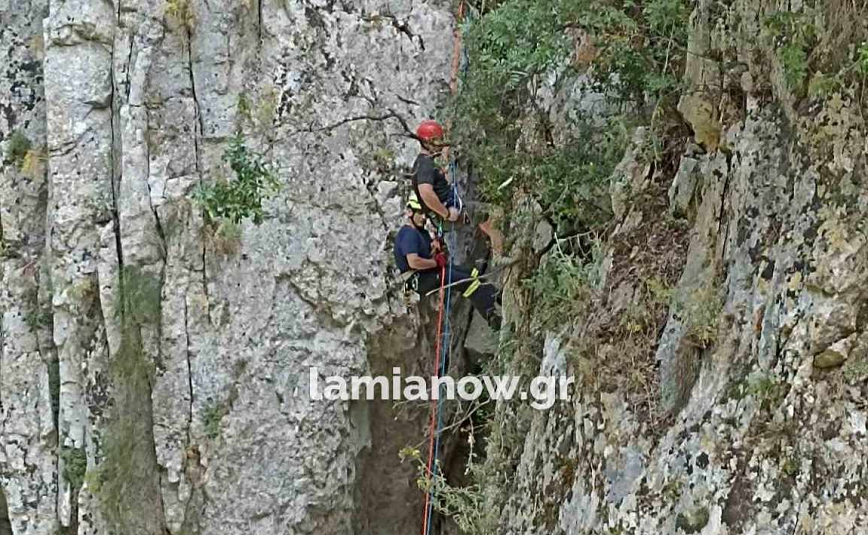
(445, 347)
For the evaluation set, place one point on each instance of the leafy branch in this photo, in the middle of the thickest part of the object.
(242, 197)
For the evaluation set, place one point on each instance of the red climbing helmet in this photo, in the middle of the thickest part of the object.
(429, 130)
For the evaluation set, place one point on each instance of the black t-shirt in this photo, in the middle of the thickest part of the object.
(411, 241)
(425, 172)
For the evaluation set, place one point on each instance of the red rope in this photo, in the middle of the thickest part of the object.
(453, 85)
(431, 429)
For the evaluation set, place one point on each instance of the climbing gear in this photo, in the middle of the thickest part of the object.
(483, 277)
(474, 275)
(410, 281)
(413, 202)
(441, 260)
(429, 130)
(438, 231)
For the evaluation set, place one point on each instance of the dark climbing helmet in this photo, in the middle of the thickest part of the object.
(429, 130)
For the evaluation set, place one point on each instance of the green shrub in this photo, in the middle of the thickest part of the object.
(564, 283)
(466, 506)
(17, 148)
(242, 197)
(74, 465)
(794, 36)
(862, 59)
(514, 48)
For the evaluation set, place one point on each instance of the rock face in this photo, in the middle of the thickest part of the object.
(759, 375)
(154, 365)
(155, 368)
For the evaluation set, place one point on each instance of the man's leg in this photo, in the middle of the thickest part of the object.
(483, 296)
(427, 281)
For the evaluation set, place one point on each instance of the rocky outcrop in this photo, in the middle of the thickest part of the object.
(154, 365)
(746, 415)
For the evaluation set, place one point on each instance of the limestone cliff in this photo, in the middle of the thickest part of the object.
(154, 367)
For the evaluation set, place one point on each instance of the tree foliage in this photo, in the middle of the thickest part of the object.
(519, 47)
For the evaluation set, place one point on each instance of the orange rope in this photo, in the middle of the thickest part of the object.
(453, 85)
(431, 426)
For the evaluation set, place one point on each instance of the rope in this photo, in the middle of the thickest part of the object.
(442, 344)
(442, 350)
(426, 520)
(484, 276)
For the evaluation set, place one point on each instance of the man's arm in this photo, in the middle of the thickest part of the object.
(430, 199)
(417, 262)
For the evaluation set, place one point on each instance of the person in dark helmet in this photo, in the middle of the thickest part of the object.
(422, 258)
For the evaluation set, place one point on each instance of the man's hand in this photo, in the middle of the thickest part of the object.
(441, 259)
(436, 246)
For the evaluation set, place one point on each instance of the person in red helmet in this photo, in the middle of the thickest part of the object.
(433, 189)
(429, 181)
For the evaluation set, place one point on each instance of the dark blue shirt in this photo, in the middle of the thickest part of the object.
(411, 241)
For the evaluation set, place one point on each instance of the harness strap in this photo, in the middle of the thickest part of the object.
(473, 285)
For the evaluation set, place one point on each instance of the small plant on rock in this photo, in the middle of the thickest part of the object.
(794, 36)
(211, 418)
(862, 59)
(33, 163)
(242, 197)
(17, 148)
(75, 465)
(702, 315)
(181, 12)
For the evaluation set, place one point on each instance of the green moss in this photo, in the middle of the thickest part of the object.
(212, 416)
(692, 521)
(128, 480)
(39, 319)
(244, 107)
(17, 148)
(74, 465)
(141, 298)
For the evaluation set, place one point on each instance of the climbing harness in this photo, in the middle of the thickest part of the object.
(474, 276)
(410, 282)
